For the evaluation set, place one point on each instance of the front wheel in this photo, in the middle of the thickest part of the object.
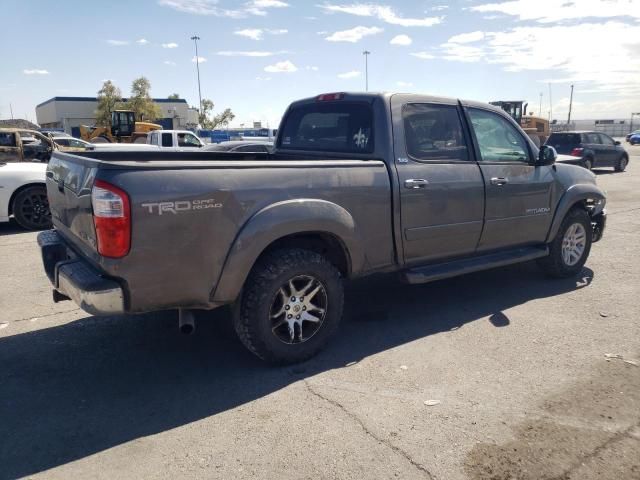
(31, 208)
(290, 306)
(570, 248)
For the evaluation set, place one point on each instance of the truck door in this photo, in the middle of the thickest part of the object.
(518, 193)
(441, 187)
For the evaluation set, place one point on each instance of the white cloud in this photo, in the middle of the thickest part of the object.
(170, 63)
(382, 12)
(439, 8)
(142, 41)
(353, 35)
(252, 33)
(35, 71)
(423, 55)
(546, 11)
(232, 53)
(263, 79)
(467, 37)
(258, 33)
(198, 59)
(462, 53)
(281, 67)
(170, 45)
(404, 84)
(403, 40)
(211, 7)
(118, 43)
(313, 68)
(351, 74)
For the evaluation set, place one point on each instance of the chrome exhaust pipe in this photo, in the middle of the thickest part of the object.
(186, 321)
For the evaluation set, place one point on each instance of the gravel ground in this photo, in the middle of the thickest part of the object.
(512, 367)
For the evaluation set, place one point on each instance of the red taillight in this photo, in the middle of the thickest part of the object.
(577, 152)
(329, 97)
(112, 219)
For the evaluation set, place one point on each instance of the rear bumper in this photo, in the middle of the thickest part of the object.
(73, 278)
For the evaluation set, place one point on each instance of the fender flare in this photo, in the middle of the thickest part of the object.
(279, 220)
(574, 194)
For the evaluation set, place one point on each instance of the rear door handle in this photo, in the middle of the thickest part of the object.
(499, 181)
(415, 183)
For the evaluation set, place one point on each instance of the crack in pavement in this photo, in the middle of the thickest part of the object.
(43, 316)
(381, 441)
(579, 463)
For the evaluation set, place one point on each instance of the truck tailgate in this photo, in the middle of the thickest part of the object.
(69, 182)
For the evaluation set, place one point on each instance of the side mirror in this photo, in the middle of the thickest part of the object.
(547, 155)
(617, 142)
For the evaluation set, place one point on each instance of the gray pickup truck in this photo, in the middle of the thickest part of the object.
(358, 183)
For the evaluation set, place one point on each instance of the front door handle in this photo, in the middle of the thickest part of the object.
(499, 181)
(415, 183)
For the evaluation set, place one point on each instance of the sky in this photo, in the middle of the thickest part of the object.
(257, 56)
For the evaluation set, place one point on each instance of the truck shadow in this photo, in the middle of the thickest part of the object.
(80, 388)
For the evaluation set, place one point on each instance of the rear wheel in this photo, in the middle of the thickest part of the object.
(290, 306)
(31, 208)
(570, 248)
(622, 163)
(587, 163)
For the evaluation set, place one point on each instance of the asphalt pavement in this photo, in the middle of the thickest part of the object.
(503, 374)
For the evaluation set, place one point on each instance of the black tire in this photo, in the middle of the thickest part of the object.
(555, 264)
(266, 291)
(587, 163)
(31, 208)
(622, 163)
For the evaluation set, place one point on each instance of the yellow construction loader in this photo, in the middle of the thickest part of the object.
(123, 129)
(536, 127)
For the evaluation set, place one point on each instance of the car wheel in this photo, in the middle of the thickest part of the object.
(570, 249)
(622, 163)
(587, 163)
(290, 306)
(31, 208)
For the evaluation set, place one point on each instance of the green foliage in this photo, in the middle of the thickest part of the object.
(210, 121)
(140, 101)
(174, 96)
(109, 99)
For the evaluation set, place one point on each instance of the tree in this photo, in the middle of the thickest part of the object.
(109, 98)
(141, 102)
(174, 96)
(210, 121)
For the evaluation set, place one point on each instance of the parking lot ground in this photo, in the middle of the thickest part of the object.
(512, 366)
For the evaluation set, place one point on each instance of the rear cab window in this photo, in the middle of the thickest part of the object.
(329, 127)
(7, 139)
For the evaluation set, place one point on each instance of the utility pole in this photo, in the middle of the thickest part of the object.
(11, 108)
(550, 104)
(195, 39)
(366, 54)
(540, 107)
(570, 104)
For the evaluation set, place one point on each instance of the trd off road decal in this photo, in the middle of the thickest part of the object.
(181, 206)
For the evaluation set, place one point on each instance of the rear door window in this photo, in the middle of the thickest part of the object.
(7, 139)
(564, 139)
(606, 140)
(433, 132)
(329, 127)
(167, 141)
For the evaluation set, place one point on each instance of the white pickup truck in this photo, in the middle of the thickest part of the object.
(177, 140)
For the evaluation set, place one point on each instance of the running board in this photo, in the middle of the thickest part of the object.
(454, 268)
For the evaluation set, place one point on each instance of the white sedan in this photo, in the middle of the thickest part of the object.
(23, 195)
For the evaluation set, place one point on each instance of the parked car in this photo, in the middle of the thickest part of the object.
(174, 139)
(246, 146)
(426, 187)
(70, 144)
(634, 139)
(593, 149)
(19, 145)
(23, 194)
(629, 135)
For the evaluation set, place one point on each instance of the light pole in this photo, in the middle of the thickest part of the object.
(366, 54)
(570, 105)
(195, 39)
(540, 106)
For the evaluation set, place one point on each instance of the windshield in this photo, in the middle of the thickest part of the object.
(329, 127)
